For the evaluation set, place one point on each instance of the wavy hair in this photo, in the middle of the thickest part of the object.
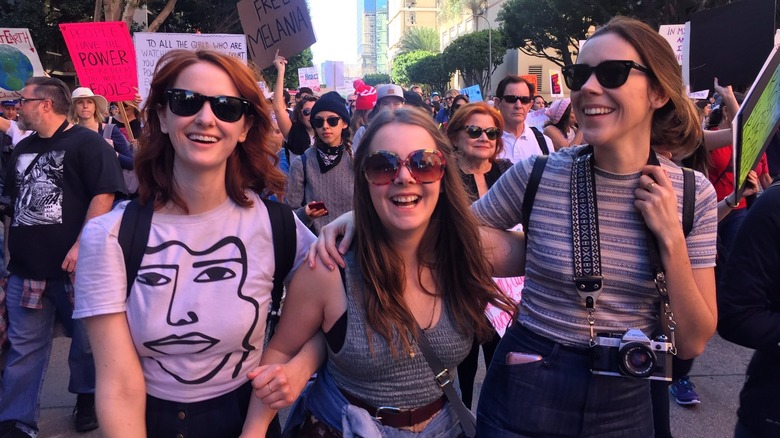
(251, 165)
(675, 126)
(450, 248)
(464, 113)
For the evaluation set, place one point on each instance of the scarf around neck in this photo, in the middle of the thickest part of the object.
(329, 157)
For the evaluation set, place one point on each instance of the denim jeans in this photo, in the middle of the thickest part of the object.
(558, 396)
(30, 334)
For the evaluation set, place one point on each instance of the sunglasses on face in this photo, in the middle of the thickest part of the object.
(610, 74)
(475, 132)
(425, 166)
(187, 103)
(319, 122)
(509, 98)
(306, 111)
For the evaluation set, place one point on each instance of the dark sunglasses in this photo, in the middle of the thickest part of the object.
(186, 103)
(319, 122)
(306, 111)
(509, 98)
(425, 165)
(610, 74)
(475, 132)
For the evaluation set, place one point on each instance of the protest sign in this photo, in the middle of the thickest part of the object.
(272, 25)
(532, 79)
(674, 34)
(19, 60)
(150, 46)
(757, 119)
(556, 83)
(104, 57)
(309, 77)
(473, 92)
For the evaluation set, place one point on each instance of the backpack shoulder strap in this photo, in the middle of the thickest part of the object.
(285, 243)
(689, 200)
(133, 237)
(542, 142)
(108, 129)
(530, 189)
(303, 162)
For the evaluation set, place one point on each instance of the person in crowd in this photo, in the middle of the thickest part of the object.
(418, 90)
(131, 128)
(459, 101)
(539, 103)
(173, 347)
(562, 126)
(57, 179)
(320, 184)
(475, 133)
(388, 96)
(443, 115)
(413, 99)
(298, 132)
(10, 114)
(87, 110)
(113, 110)
(415, 271)
(9, 126)
(351, 100)
(513, 100)
(749, 313)
(706, 109)
(364, 103)
(303, 92)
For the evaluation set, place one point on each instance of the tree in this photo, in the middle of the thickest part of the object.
(468, 54)
(430, 71)
(420, 38)
(451, 9)
(301, 60)
(402, 62)
(374, 79)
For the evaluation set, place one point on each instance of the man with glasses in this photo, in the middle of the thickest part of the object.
(514, 100)
(57, 179)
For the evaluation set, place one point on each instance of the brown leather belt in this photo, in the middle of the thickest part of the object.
(394, 417)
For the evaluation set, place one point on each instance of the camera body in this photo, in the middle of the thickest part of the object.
(632, 354)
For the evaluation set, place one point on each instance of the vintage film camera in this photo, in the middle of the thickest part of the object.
(632, 354)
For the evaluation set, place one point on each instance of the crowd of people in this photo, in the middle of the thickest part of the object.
(162, 238)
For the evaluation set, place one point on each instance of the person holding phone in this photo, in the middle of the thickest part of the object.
(320, 183)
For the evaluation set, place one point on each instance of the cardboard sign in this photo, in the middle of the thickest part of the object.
(556, 83)
(757, 119)
(150, 46)
(104, 57)
(19, 60)
(473, 92)
(272, 25)
(534, 80)
(309, 77)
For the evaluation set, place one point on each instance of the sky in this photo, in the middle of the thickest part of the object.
(335, 26)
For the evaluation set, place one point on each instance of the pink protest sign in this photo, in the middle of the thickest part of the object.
(104, 57)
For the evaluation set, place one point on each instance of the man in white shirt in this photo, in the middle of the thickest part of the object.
(8, 124)
(514, 100)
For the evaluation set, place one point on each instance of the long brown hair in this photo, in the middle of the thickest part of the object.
(458, 122)
(450, 248)
(252, 165)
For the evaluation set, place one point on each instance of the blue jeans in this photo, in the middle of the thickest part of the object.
(558, 396)
(30, 334)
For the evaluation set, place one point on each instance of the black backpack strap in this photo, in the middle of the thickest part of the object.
(133, 236)
(542, 142)
(689, 200)
(285, 243)
(530, 190)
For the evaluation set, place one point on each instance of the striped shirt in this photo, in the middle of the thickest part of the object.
(550, 305)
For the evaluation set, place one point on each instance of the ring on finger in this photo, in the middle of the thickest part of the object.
(649, 186)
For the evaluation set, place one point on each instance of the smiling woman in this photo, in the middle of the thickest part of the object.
(172, 350)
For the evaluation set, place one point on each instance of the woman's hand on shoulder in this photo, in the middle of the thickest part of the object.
(325, 246)
(657, 201)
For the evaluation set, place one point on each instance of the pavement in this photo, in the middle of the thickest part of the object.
(718, 375)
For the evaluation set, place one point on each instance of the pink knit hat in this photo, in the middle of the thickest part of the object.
(556, 110)
(366, 95)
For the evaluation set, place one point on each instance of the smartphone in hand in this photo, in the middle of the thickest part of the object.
(317, 205)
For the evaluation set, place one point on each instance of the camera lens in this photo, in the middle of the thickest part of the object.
(636, 360)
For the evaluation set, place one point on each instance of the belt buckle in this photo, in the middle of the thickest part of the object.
(444, 378)
(390, 409)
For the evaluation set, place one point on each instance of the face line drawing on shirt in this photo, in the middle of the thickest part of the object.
(182, 272)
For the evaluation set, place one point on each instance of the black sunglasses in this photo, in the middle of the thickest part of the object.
(306, 111)
(610, 74)
(475, 132)
(186, 103)
(525, 100)
(319, 122)
(425, 165)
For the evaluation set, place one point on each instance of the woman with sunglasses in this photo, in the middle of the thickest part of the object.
(298, 132)
(320, 183)
(562, 125)
(173, 350)
(417, 267)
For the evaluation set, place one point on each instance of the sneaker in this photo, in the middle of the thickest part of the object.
(683, 392)
(84, 415)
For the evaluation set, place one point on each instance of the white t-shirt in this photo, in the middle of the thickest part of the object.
(519, 148)
(198, 308)
(16, 134)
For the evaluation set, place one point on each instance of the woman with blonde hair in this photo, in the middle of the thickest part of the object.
(88, 110)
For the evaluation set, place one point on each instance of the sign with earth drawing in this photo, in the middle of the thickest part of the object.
(19, 60)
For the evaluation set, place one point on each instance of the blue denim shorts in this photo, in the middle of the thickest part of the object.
(558, 396)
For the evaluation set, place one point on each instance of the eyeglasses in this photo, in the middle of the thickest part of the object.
(186, 103)
(475, 132)
(509, 98)
(23, 100)
(425, 166)
(610, 74)
(306, 111)
(319, 122)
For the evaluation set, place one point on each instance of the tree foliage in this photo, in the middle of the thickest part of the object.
(431, 72)
(469, 55)
(450, 9)
(375, 79)
(420, 38)
(301, 60)
(401, 63)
